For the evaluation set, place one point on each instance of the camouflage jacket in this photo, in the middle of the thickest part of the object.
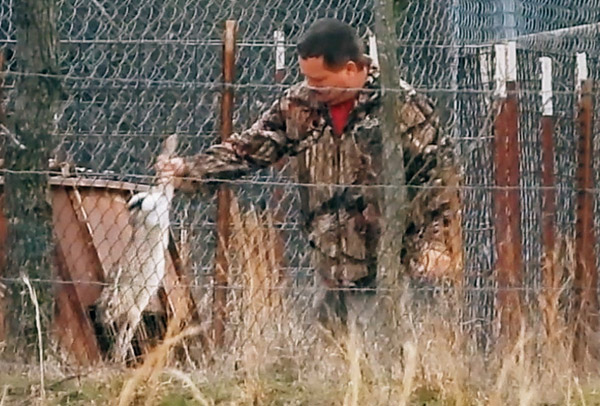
(342, 215)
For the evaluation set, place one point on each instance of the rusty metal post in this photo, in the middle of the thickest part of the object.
(2, 113)
(224, 194)
(548, 177)
(586, 273)
(3, 302)
(279, 38)
(279, 213)
(549, 186)
(278, 191)
(550, 278)
(507, 210)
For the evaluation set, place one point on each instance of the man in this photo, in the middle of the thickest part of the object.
(331, 121)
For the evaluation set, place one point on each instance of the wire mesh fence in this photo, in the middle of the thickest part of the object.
(133, 72)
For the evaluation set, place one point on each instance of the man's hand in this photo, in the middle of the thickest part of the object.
(171, 169)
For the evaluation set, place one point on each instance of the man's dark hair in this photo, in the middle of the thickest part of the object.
(334, 40)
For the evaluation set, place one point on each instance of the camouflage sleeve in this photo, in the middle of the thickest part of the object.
(259, 146)
(433, 176)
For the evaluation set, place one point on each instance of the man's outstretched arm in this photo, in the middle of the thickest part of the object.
(266, 142)
(257, 147)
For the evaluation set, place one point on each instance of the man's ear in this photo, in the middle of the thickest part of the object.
(352, 67)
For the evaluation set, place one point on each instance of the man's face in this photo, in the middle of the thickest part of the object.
(332, 85)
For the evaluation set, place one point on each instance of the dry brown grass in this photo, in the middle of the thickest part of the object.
(258, 258)
(148, 374)
(428, 362)
(420, 356)
(557, 270)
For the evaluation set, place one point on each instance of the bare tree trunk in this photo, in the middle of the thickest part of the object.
(27, 194)
(393, 162)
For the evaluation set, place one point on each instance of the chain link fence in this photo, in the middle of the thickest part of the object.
(133, 72)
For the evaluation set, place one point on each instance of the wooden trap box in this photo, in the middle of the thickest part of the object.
(91, 225)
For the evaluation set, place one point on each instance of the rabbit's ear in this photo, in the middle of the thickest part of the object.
(136, 201)
(169, 146)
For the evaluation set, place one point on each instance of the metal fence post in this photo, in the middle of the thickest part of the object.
(550, 280)
(507, 210)
(586, 273)
(224, 194)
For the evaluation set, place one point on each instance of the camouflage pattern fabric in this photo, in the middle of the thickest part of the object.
(342, 207)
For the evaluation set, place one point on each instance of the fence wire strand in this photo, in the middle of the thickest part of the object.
(135, 71)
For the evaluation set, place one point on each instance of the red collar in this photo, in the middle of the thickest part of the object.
(339, 115)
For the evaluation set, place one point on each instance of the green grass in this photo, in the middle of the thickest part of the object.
(267, 391)
(274, 390)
